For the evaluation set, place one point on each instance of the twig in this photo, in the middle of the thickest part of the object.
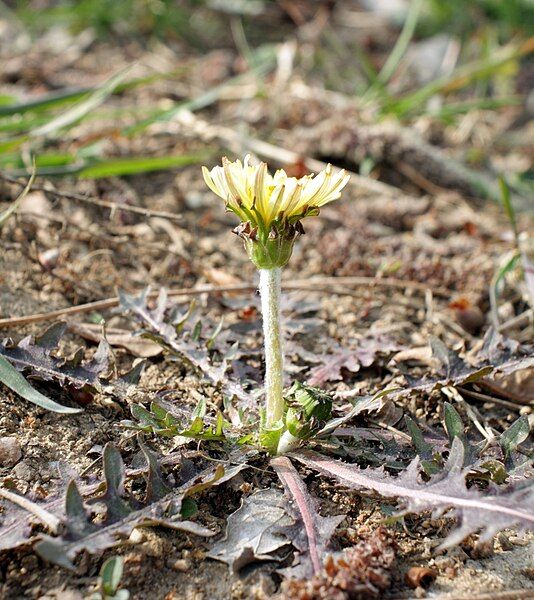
(518, 321)
(46, 517)
(495, 388)
(423, 182)
(304, 284)
(486, 398)
(145, 212)
(392, 429)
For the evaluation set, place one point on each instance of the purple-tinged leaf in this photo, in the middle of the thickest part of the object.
(37, 359)
(331, 369)
(313, 539)
(112, 519)
(350, 359)
(365, 403)
(182, 339)
(498, 354)
(454, 372)
(488, 512)
(505, 354)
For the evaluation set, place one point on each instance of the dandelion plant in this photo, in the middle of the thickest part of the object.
(271, 209)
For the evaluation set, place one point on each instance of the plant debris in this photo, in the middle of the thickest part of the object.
(358, 573)
(104, 520)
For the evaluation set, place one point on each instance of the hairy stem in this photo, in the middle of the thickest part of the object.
(270, 290)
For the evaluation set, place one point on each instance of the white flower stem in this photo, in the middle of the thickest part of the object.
(270, 291)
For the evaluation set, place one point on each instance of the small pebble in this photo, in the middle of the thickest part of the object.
(10, 452)
(23, 471)
(182, 565)
(137, 536)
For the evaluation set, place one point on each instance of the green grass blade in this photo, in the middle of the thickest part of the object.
(498, 279)
(12, 144)
(45, 102)
(450, 110)
(509, 209)
(402, 43)
(16, 161)
(139, 164)
(5, 99)
(265, 59)
(460, 77)
(66, 164)
(11, 378)
(79, 110)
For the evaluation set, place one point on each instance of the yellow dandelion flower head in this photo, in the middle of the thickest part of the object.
(271, 203)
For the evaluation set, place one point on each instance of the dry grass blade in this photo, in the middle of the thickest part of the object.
(4, 216)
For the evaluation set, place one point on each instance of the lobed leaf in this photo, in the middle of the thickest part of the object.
(35, 356)
(488, 513)
(182, 339)
(114, 514)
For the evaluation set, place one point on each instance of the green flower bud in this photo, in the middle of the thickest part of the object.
(308, 410)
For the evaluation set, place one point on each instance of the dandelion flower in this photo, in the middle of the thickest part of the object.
(271, 207)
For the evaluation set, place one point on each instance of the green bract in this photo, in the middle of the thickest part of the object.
(308, 410)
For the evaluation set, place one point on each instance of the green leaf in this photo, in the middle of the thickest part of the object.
(189, 508)
(453, 422)
(11, 378)
(200, 410)
(424, 449)
(308, 410)
(269, 438)
(111, 574)
(517, 433)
